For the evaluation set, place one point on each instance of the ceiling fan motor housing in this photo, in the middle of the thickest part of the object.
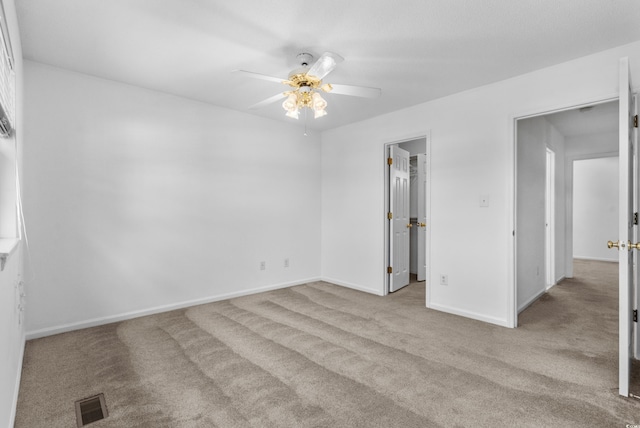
(304, 59)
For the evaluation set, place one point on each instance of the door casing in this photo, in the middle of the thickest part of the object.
(512, 297)
(550, 205)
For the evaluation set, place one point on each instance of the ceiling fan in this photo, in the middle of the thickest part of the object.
(306, 84)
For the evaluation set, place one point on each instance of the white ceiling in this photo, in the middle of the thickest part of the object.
(415, 50)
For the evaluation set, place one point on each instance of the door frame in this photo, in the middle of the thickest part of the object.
(550, 219)
(512, 294)
(385, 153)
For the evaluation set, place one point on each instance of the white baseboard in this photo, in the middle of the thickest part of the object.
(16, 388)
(352, 286)
(467, 314)
(50, 331)
(595, 259)
(529, 302)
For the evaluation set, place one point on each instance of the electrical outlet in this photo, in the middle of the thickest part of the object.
(286, 263)
(263, 265)
(444, 280)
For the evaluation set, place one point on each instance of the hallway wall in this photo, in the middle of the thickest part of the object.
(595, 208)
(534, 135)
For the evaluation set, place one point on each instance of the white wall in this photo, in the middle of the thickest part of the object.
(582, 147)
(11, 327)
(595, 208)
(557, 142)
(534, 135)
(590, 146)
(530, 211)
(472, 154)
(139, 201)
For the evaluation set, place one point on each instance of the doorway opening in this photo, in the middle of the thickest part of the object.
(593, 200)
(406, 210)
(547, 146)
(595, 207)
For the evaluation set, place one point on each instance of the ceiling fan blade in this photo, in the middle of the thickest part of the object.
(268, 101)
(324, 65)
(260, 76)
(356, 91)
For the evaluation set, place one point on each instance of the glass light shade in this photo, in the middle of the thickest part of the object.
(319, 113)
(291, 103)
(319, 103)
(293, 113)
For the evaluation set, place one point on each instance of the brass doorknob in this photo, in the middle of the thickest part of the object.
(423, 224)
(632, 245)
(611, 244)
(409, 225)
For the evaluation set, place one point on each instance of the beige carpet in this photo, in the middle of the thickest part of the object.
(319, 355)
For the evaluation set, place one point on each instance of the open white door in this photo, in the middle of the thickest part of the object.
(422, 217)
(626, 204)
(636, 234)
(399, 220)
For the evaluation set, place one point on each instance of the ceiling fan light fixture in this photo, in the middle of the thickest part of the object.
(319, 105)
(291, 103)
(306, 84)
(293, 113)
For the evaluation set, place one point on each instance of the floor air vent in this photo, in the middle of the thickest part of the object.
(90, 409)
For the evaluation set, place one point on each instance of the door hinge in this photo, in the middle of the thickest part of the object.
(389, 161)
(390, 215)
(635, 121)
(635, 315)
(389, 269)
(635, 218)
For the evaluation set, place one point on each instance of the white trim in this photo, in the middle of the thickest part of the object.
(473, 315)
(559, 280)
(529, 302)
(7, 247)
(596, 259)
(352, 286)
(592, 101)
(64, 328)
(511, 207)
(427, 283)
(550, 217)
(16, 388)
